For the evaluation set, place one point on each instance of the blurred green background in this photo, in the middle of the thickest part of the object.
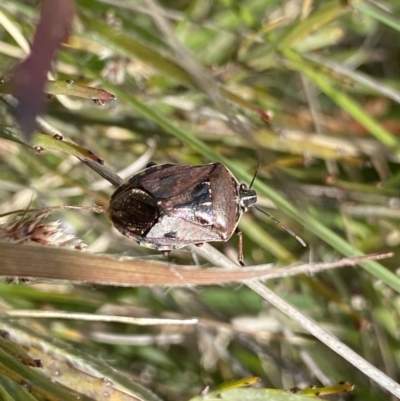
(327, 74)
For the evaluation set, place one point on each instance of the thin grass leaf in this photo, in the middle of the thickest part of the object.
(378, 14)
(15, 391)
(42, 142)
(39, 262)
(77, 369)
(344, 101)
(326, 13)
(70, 88)
(17, 371)
(127, 46)
(5, 394)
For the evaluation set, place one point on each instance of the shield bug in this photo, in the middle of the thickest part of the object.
(169, 206)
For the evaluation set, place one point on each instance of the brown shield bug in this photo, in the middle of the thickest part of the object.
(169, 206)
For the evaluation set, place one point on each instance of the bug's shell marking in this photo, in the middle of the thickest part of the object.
(169, 206)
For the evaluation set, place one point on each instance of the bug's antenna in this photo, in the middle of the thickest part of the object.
(287, 229)
(256, 172)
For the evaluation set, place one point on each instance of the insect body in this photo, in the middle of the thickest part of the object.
(169, 206)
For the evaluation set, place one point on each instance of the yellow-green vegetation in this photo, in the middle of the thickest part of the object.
(310, 91)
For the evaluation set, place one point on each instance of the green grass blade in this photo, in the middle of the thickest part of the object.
(378, 14)
(343, 100)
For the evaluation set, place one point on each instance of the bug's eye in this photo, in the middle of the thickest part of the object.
(134, 210)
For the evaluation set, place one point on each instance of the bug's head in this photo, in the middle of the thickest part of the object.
(247, 196)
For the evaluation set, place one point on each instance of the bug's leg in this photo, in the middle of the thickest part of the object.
(150, 164)
(240, 246)
(166, 253)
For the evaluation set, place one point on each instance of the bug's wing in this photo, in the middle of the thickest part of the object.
(211, 202)
(171, 180)
(172, 232)
(205, 195)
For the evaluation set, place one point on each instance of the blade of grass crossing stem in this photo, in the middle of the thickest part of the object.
(313, 225)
